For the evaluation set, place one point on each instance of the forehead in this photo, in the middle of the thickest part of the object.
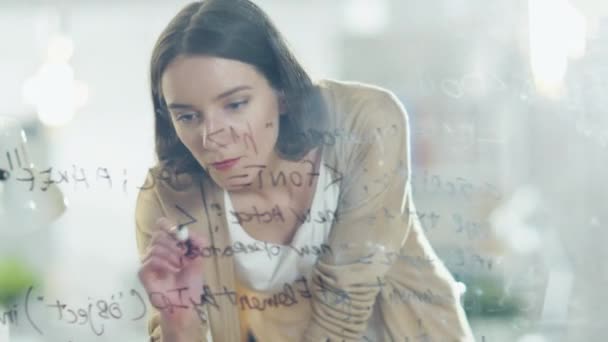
(190, 77)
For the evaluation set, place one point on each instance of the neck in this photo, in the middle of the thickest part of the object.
(281, 179)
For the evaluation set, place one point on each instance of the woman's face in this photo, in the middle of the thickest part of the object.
(227, 115)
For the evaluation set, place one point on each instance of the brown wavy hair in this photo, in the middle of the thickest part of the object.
(237, 30)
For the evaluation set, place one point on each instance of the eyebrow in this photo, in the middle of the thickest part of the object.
(227, 93)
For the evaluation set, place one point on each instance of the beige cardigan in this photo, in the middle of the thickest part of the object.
(378, 255)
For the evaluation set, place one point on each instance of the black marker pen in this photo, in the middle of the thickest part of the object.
(181, 234)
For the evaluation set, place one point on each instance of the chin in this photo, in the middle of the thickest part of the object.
(225, 181)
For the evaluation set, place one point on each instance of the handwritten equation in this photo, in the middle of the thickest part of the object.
(457, 187)
(131, 306)
(96, 314)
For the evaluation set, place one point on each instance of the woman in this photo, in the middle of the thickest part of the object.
(296, 197)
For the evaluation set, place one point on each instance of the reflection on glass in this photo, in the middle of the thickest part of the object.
(23, 208)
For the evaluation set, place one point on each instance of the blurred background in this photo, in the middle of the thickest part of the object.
(509, 129)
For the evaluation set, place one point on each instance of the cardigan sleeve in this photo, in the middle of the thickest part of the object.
(373, 221)
(147, 210)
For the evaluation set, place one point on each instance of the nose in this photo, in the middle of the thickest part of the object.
(212, 134)
(207, 127)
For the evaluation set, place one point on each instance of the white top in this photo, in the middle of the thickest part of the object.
(269, 271)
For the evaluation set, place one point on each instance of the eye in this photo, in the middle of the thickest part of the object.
(187, 117)
(236, 105)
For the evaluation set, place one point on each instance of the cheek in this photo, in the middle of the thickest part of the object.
(263, 127)
(189, 140)
(267, 133)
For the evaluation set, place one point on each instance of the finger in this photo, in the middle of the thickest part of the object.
(166, 254)
(169, 227)
(183, 235)
(164, 239)
(176, 232)
(164, 223)
(156, 264)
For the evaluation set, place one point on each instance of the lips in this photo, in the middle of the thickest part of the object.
(225, 164)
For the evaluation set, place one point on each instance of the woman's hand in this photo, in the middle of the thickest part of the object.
(170, 277)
